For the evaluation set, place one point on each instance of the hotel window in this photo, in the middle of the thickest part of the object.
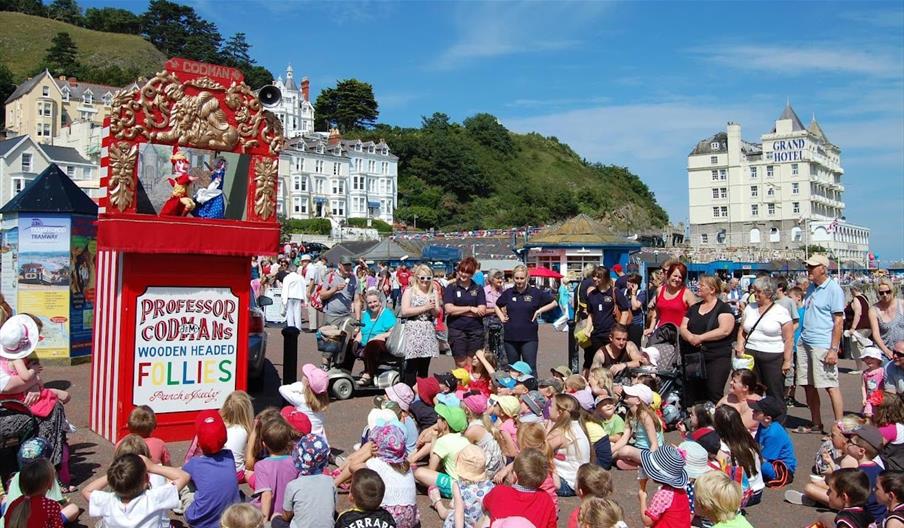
(795, 207)
(358, 164)
(371, 166)
(296, 205)
(713, 160)
(704, 238)
(45, 91)
(335, 169)
(337, 207)
(296, 183)
(723, 174)
(771, 209)
(775, 235)
(304, 205)
(318, 185)
(384, 168)
(298, 163)
(70, 171)
(18, 185)
(66, 95)
(753, 172)
(754, 236)
(754, 210)
(794, 171)
(724, 210)
(716, 212)
(754, 191)
(26, 162)
(723, 192)
(108, 100)
(88, 98)
(338, 187)
(795, 188)
(715, 193)
(770, 191)
(715, 175)
(769, 171)
(318, 166)
(304, 183)
(279, 208)
(796, 234)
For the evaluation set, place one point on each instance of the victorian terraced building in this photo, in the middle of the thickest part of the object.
(772, 197)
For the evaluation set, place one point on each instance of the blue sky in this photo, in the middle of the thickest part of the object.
(627, 83)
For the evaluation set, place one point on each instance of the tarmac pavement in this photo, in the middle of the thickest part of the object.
(345, 420)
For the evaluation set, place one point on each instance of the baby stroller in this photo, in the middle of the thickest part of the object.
(339, 349)
(670, 371)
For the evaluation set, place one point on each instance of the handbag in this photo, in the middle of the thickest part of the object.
(694, 362)
(395, 344)
(582, 334)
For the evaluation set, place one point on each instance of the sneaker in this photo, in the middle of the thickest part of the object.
(796, 497)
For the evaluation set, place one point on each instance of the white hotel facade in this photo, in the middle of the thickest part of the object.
(325, 176)
(780, 194)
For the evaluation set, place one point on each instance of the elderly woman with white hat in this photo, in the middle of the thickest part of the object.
(19, 337)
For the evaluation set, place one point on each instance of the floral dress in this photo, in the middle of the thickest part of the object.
(472, 494)
(420, 334)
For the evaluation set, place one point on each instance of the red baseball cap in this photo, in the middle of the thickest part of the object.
(617, 268)
(211, 431)
(427, 389)
(297, 419)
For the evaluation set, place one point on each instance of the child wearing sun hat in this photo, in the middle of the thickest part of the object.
(310, 395)
(309, 499)
(669, 506)
(472, 486)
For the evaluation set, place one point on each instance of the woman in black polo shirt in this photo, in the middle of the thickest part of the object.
(601, 306)
(465, 304)
(519, 308)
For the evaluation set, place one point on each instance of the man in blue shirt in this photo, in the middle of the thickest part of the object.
(817, 355)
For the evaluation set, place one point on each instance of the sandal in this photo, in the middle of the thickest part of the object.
(67, 489)
(813, 429)
(365, 380)
(434, 494)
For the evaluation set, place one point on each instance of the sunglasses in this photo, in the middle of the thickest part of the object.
(884, 292)
(425, 278)
(894, 353)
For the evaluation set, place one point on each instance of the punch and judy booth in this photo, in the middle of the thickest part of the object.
(191, 162)
(48, 271)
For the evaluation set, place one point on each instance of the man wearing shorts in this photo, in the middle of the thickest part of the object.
(817, 355)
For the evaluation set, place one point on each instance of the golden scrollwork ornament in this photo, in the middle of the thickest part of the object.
(265, 187)
(121, 188)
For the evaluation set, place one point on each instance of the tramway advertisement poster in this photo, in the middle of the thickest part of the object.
(185, 348)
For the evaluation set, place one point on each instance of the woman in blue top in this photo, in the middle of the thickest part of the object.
(377, 324)
(519, 308)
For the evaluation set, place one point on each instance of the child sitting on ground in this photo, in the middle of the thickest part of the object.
(238, 415)
(33, 507)
(717, 498)
(131, 503)
(600, 381)
(254, 448)
(832, 454)
(669, 506)
(592, 481)
(143, 422)
(532, 405)
(890, 492)
(524, 499)
(365, 496)
(274, 473)
(613, 424)
(467, 493)
(443, 450)
(309, 500)
(601, 513)
(37, 449)
(776, 448)
(212, 473)
(242, 516)
(849, 491)
(309, 395)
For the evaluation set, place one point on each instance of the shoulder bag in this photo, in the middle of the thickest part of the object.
(395, 343)
(753, 328)
(694, 363)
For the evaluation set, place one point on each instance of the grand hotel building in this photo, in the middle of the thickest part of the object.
(782, 193)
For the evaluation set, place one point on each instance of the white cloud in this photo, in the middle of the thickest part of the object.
(495, 29)
(793, 59)
(553, 103)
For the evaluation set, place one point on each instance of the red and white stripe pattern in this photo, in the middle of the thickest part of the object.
(104, 165)
(105, 405)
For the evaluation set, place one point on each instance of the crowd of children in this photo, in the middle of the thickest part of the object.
(488, 447)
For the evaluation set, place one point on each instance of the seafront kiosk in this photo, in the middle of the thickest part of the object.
(190, 171)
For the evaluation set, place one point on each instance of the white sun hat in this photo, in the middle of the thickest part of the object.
(18, 337)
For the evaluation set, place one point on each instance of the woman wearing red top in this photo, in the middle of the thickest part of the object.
(672, 298)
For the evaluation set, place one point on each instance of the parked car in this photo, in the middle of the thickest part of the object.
(257, 341)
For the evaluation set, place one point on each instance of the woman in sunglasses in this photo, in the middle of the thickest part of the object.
(886, 317)
(420, 306)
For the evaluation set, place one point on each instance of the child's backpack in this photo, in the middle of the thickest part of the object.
(737, 474)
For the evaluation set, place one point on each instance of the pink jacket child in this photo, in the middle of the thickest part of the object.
(19, 336)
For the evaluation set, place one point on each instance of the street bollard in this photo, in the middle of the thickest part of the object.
(290, 354)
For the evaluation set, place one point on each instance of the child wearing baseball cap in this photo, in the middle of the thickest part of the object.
(776, 448)
(310, 395)
(212, 473)
(443, 450)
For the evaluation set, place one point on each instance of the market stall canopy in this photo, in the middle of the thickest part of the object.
(544, 272)
(389, 249)
(352, 249)
(51, 192)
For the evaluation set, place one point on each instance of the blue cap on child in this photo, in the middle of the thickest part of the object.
(32, 449)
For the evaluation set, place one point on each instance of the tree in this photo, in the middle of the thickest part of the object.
(489, 132)
(113, 20)
(236, 51)
(438, 122)
(203, 42)
(178, 31)
(61, 56)
(256, 76)
(7, 87)
(348, 106)
(28, 7)
(65, 11)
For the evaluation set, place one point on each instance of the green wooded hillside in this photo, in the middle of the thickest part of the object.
(24, 40)
(479, 175)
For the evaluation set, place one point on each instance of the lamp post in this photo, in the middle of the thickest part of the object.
(415, 222)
